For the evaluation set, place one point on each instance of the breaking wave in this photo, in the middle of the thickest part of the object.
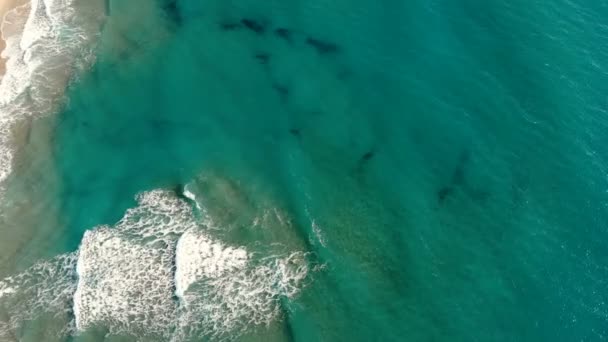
(156, 273)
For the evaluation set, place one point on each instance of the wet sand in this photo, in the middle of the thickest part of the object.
(5, 6)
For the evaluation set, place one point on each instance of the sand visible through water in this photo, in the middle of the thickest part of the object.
(5, 6)
(308, 170)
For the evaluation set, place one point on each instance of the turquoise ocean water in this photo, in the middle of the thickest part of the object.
(328, 171)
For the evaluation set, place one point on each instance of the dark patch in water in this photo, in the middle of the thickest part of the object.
(132, 47)
(282, 90)
(289, 331)
(367, 156)
(363, 161)
(254, 26)
(458, 175)
(458, 180)
(322, 47)
(178, 189)
(444, 192)
(262, 57)
(295, 132)
(283, 33)
(173, 12)
(229, 26)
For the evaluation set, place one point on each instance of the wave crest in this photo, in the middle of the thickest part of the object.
(157, 273)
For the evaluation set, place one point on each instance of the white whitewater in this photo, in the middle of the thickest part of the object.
(199, 257)
(47, 43)
(126, 272)
(45, 288)
(225, 289)
(123, 284)
(156, 273)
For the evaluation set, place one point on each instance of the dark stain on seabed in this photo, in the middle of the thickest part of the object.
(295, 132)
(364, 160)
(262, 57)
(229, 26)
(253, 25)
(457, 178)
(107, 7)
(173, 13)
(260, 27)
(322, 47)
(284, 33)
(178, 189)
(282, 90)
(367, 156)
(459, 181)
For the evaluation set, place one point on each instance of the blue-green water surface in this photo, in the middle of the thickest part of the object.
(445, 161)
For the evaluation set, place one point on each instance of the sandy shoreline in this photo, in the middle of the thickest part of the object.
(5, 6)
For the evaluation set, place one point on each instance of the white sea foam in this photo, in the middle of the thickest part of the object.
(47, 41)
(5, 333)
(316, 229)
(158, 272)
(124, 285)
(6, 291)
(199, 257)
(191, 196)
(126, 273)
(241, 293)
(318, 234)
(45, 288)
(219, 288)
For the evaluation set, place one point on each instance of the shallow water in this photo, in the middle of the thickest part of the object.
(331, 171)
